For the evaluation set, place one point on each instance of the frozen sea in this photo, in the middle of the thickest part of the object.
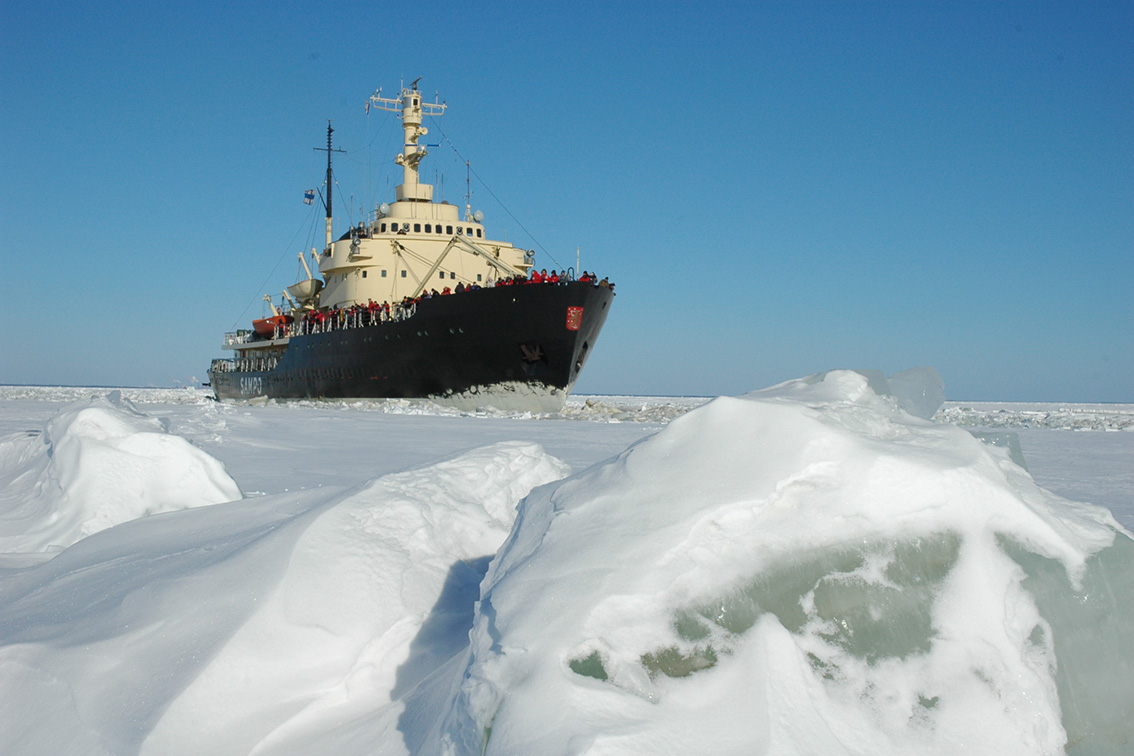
(806, 569)
(1079, 451)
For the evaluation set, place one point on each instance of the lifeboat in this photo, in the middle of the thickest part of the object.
(266, 327)
(305, 290)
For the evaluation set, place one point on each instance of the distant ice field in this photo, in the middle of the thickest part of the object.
(619, 408)
(1080, 451)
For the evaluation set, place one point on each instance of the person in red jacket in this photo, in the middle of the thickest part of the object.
(553, 278)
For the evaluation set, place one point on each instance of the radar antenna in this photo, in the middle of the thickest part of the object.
(409, 104)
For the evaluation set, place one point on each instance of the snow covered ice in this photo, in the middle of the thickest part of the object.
(98, 464)
(806, 569)
(813, 568)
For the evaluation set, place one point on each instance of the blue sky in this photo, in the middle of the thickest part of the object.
(776, 188)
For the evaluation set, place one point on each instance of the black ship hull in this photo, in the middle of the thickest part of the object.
(512, 347)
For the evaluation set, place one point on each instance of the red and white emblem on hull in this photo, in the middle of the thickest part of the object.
(574, 318)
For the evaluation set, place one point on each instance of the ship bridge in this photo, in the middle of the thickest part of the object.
(413, 244)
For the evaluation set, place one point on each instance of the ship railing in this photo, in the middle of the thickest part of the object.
(336, 321)
(343, 320)
(238, 337)
(244, 364)
(255, 364)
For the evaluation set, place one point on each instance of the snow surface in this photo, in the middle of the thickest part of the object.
(99, 463)
(806, 569)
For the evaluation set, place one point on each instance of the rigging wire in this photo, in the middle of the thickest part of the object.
(489, 189)
(381, 132)
(264, 285)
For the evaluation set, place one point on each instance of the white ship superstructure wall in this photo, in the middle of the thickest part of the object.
(400, 256)
(414, 244)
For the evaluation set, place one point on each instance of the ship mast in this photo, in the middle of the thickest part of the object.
(330, 180)
(412, 109)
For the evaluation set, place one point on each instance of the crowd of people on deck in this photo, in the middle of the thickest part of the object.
(355, 315)
(536, 277)
(372, 312)
(543, 277)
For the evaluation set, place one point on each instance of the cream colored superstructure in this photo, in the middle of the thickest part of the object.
(413, 244)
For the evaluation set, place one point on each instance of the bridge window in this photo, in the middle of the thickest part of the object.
(383, 229)
(428, 228)
(478, 233)
(383, 274)
(403, 274)
(364, 274)
(417, 228)
(448, 229)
